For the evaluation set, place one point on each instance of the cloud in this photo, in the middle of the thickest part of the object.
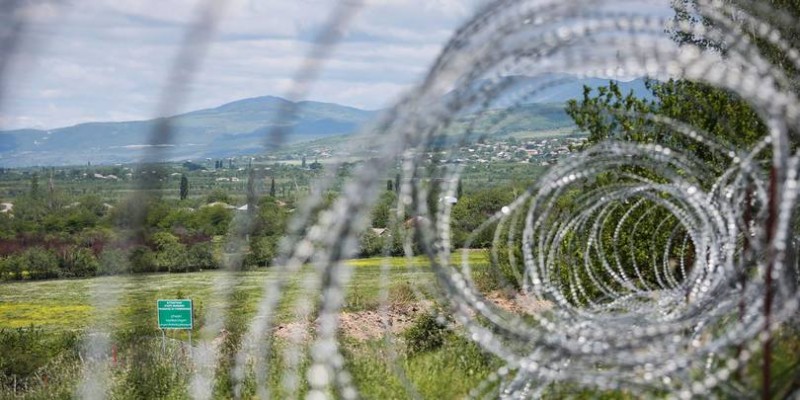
(109, 59)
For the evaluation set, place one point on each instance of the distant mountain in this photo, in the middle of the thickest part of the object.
(527, 104)
(558, 88)
(239, 127)
(242, 127)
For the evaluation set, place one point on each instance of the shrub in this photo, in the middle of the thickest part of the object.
(425, 334)
(151, 372)
(201, 256)
(401, 293)
(113, 262)
(177, 219)
(6, 226)
(26, 350)
(218, 195)
(263, 250)
(371, 244)
(12, 267)
(77, 262)
(40, 263)
(170, 254)
(390, 243)
(142, 260)
(271, 218)
(211, 220)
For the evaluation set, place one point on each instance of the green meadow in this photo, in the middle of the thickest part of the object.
(68, 305)
(56, 314)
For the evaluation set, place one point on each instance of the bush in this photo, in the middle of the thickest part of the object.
(129, 212)
(78, 262)
(201, 256)
(40, 263)
(170, 254)
(152, 373)
(177, 219)
(271, 218)
(142, 260)
(425, 334)
(401, 293)
(6, 227)
(212, 220)
(26, 350)
(113, 262)
(9, 267)
(218, 195)
(371, 244)
(263, 250)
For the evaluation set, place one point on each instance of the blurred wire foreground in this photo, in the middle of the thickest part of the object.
(666, 254)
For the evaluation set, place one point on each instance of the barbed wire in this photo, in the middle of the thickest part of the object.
(719, 279)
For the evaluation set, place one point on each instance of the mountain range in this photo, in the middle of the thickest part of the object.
(242, 127)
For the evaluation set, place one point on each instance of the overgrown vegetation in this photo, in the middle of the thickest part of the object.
(57, 230)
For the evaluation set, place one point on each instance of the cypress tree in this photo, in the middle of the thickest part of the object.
(184, 187)
(251, 191)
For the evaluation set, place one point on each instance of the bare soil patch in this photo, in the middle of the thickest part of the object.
(361, 325)
(373, 324)
(518, 303)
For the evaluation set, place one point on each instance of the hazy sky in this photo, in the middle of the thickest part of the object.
(103, 60)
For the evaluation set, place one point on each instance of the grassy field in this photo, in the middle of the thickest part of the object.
(66, 304)
(433, 361)
(66, 307)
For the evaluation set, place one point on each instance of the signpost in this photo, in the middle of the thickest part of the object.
(175, 314)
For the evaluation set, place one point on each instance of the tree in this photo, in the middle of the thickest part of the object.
(382, 212)
(397, 183)
(472, 210)
(263, 250)
(201, 257)
(77, 262)
(184, 187)
(251, 190)
(34, 192)
(50, 190)
(459, 189)
(113, 262)
(303, 163)
(609, 114)
(272, 187)
(40, 263)
(212, 220)
(389, 185)
(170, 254)
(218, 195)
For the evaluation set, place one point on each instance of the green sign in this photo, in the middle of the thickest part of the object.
(174, 314)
